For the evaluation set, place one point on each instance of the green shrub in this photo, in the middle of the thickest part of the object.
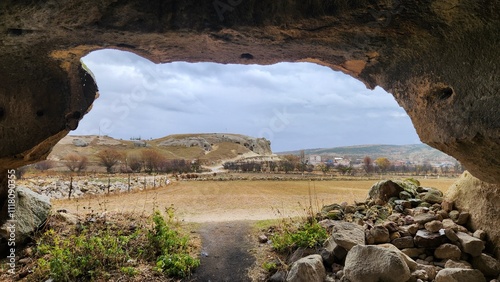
(172, 248)
(308, 235)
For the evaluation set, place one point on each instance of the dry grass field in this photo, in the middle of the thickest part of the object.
(216, 201)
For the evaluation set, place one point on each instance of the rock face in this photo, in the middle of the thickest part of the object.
(373, 263)
(481, 200)
(438, 59)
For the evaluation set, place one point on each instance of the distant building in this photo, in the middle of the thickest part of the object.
(314, 159)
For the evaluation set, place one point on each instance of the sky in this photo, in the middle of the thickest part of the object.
(294, 105)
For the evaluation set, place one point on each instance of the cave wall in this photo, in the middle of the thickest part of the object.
(438, 58)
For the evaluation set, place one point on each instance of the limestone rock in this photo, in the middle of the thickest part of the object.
(447, 251)
(31, 211)
(348, 235)
(488, 265)
(433, 226)
(459, 275)
(373, 264)
(470, 245)
(383, 190)
(308, 269)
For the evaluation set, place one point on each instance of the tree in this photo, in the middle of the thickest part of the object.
(325, 167)
(108, 158)
(75, 162)
(367, 164)
(152, 160)
(383, 164)
(134, 162)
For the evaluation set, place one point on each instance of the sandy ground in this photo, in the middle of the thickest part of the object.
(220, 201)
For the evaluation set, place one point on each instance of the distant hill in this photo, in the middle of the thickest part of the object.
(415, 152)
(208, 148)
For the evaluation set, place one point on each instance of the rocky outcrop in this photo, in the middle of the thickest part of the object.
(260, 146)
(481, 201)
(439, 60)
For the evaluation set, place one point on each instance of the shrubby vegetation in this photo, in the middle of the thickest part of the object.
(99, 250)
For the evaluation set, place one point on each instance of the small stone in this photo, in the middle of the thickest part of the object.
(454, 215)
(413, 252)
(447, 205)
(419, 274)
(442, 213)
(424, 218)
(404, 195)
(463, 217)
(470, 245)
(426, 239)
(457, 275)
(447, 251)
(429, 269)
(24, 261)
(449, 224)
(380, 234)
(450, 234)
(409, 220)
(432, 198)
(391, 226)
(279, 276)
(433, 226)
(488, 265)
(394, 236)
(457, 264)
(263, 238)
(403, 242)
(480, 234)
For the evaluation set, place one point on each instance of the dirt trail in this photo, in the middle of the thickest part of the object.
(225, 252)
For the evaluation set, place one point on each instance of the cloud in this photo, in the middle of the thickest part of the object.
(295, 105)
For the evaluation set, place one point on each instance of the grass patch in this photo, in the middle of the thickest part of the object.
(108, 248)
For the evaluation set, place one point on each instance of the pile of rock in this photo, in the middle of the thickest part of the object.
(402, 232)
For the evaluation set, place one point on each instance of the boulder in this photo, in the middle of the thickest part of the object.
(382, 191)
(488, 265)
(470, 245)
(348, 235)
(459, 275)
(31, 211)
(375, 263)
(308, 269)
(447, 251)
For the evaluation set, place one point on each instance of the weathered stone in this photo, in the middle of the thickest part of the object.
(374, 263)
(333, 252)
(279, 276)
(424, 218)
(433, 226)
(480, 234)
(463, 217)
(300, 253)
(459, 275)
(447, 251)
(263, 238)
(412, 265)
(432, 198)
(470, 245)
(488, 265)
(347, 234)
(380, 234)
(413, 252)
(454, 215)
(450, 224)
(451, 235)
(403, 242)
(447, 205)
(431, 270)
(404, 195)
(309, 268)
(31, 211)
(383, 190)
(457, 264)
(426, 239)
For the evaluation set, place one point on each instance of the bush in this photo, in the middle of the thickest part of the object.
(308, 235)
(172, 248)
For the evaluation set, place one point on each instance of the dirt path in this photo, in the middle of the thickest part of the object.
(225, 252)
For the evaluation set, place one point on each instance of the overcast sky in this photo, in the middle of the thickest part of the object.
(294, 105)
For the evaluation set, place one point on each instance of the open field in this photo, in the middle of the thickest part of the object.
(213, 201)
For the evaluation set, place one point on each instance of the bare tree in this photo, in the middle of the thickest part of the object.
(367, 164)
(75, 162)
(152, 160)
(108, 158)
(134, 162)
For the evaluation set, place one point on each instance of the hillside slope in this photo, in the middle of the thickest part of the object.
(208, 148)
(414, 152)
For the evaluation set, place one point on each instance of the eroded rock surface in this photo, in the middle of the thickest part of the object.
(439, 59)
